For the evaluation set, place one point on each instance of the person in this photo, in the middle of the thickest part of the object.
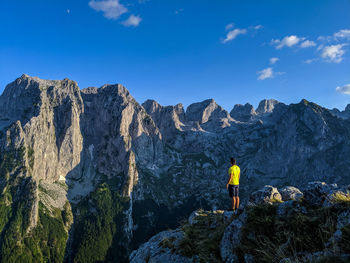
(232, 185)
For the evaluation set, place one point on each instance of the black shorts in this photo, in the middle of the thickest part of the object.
(233, 190)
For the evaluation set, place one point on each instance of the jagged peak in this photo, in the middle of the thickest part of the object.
(117, 89)
(266, 106)
(113, 87)
(205, 110)
(240, 106)
(201, 105)
(151, 104)
(28, 82)
(347, 108)
(243, 112)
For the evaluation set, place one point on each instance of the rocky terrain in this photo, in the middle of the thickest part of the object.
(274, 225)
(88, 175)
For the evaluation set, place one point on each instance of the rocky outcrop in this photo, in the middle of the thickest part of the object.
(266, 106)
(208, 114)
(290, 193)
(243, 113)
(262, 232)
(159, 249)
(268, 194)
(169, 119)
(345, 114)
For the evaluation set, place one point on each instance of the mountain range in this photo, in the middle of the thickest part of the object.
(88, 175)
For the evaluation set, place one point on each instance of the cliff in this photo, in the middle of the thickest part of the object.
(106, 173)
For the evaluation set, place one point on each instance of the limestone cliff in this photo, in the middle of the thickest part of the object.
(96, 160)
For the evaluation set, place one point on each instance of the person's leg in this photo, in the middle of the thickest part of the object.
(233, 203)
(236, 195)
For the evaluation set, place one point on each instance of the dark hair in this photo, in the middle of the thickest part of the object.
(233, 161)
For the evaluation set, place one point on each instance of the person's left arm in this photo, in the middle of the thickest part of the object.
(229, 178)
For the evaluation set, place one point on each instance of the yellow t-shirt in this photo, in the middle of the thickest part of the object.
(234, 171)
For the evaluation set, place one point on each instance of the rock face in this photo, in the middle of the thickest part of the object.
(243, 112)
(67, 155)
(290, 231)
(268, 194)
(266, 106)
(291, 193)
(345, 114)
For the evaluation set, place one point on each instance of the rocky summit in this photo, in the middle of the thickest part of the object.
(88, 175)
(270, 227)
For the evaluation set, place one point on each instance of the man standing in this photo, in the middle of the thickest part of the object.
(232, 185)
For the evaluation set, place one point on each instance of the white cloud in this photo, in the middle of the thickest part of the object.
(320, 47)
(307, 43)
(229, 26)
(273, 60)
(333, 53)
(311, 60)
(111, 9)
(132, 21)
(257, 27)
(233, 34)
(265, 74)
(344, 89)
(287, 41)
(344, 33)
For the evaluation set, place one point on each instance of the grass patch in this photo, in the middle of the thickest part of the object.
(168, 243)
(203, 237)
(341, 198)
(270, 238)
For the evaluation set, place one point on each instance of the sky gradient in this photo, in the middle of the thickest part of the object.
(184, 51)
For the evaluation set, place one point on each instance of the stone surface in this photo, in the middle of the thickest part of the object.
(318, 192)
(231, 239)
(290, 193)
(267, 194)
(158, 249)
(266, 106)
(243, 113)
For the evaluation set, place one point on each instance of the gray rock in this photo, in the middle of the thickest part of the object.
(243, 112)
(317, 192)
(231, 239)
(159, 249)
(266, 106)
(290, 193)
(267, 194)
(345, 114)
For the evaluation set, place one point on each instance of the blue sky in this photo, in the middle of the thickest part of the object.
(184, 51)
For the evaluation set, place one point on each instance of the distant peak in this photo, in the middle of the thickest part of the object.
(304, 101)
(150, 102)
(266, 106)
(24, 76)
(347, 108)
(113, 88)
(243, 112)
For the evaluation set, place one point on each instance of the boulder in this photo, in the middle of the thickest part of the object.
(317, 192)
(231, 239)
(268, 194)
(159, 249)
(291, 193)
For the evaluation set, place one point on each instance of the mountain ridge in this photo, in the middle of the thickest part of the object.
(78, 154)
